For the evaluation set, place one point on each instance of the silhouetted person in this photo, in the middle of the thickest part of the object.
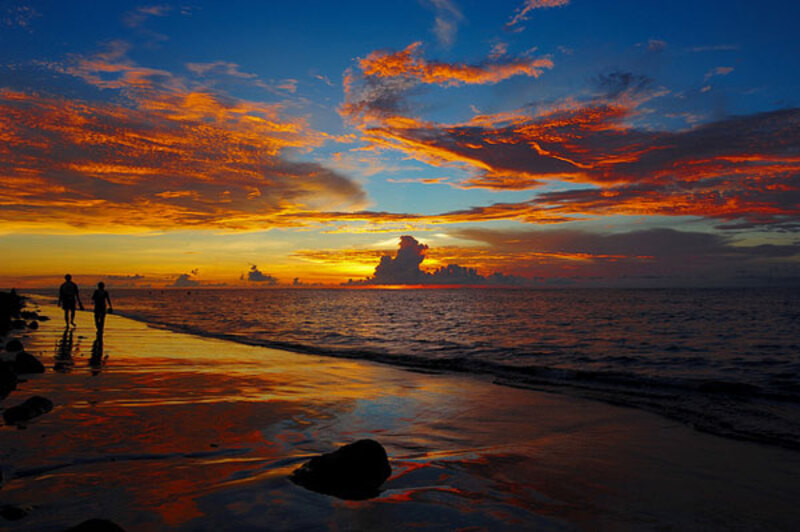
(67, 297)
(100, 298)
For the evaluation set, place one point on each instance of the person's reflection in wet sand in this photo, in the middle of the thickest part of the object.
(97, 361)
(64, 362)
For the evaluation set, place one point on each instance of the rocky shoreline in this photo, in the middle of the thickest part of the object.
(355, 471)
(15, 366)
(15, 362)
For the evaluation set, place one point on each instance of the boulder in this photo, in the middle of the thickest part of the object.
(27, 363)
(96, 525)
(31, 408)
(730, 388)
(14, 345)
(29, 315)
(8, 380)
(33, 325)
(355, 471)
(18, 324)
(13, 512)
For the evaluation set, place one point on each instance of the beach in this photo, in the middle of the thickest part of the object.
(170, 431)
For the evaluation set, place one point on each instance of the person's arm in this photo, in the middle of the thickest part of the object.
(78, 297)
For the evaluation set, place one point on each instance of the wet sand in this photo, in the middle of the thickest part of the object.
(177, 432)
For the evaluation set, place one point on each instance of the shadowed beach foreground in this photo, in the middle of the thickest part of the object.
(160, 430)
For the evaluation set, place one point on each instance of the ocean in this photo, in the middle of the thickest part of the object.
(722, 361)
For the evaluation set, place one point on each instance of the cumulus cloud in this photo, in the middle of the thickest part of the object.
(404, 269)
(257, 276)
(186, 280)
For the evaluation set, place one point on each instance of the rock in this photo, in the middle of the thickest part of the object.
(730, 388)
(96, 525)
(355, 471)
(13, 512)
(29, 315)
(10, 306)
(14, 345)
(27, 363)
(33, 325)
(31, 408)
(43, 318)
(8, 380)
(18, 324)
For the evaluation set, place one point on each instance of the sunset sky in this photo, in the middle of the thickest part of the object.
(555, 142)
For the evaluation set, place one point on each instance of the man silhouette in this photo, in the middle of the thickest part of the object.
(67, 297)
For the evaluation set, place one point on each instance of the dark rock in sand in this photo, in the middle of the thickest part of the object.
(29, 315)
(27, 363)
(33, 325)
(14, 513)
(14, 345)
(31, 408)
(96, 525)
(730, 388)
(18, 324)
(8, 380)
(355, 471)
(10, 306)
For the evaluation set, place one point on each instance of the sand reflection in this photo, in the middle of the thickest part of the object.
(189, 433)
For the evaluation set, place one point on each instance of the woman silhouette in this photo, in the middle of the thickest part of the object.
(100, 297)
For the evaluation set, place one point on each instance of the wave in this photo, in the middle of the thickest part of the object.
(726, 408)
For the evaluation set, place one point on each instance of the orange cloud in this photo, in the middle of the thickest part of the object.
(169, 153)
(410, 63)
(742, 169)
(172, 159)
(522, 13)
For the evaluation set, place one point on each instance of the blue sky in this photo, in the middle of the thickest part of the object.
(328, 130)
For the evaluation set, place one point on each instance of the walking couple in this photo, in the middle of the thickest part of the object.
(69, 297)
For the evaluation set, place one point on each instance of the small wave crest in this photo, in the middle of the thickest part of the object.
(724, 407)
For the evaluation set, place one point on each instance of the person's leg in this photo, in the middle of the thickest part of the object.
(72, 315)
(99, 321)
(66, 316)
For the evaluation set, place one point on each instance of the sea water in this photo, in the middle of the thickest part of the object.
(724, 361)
